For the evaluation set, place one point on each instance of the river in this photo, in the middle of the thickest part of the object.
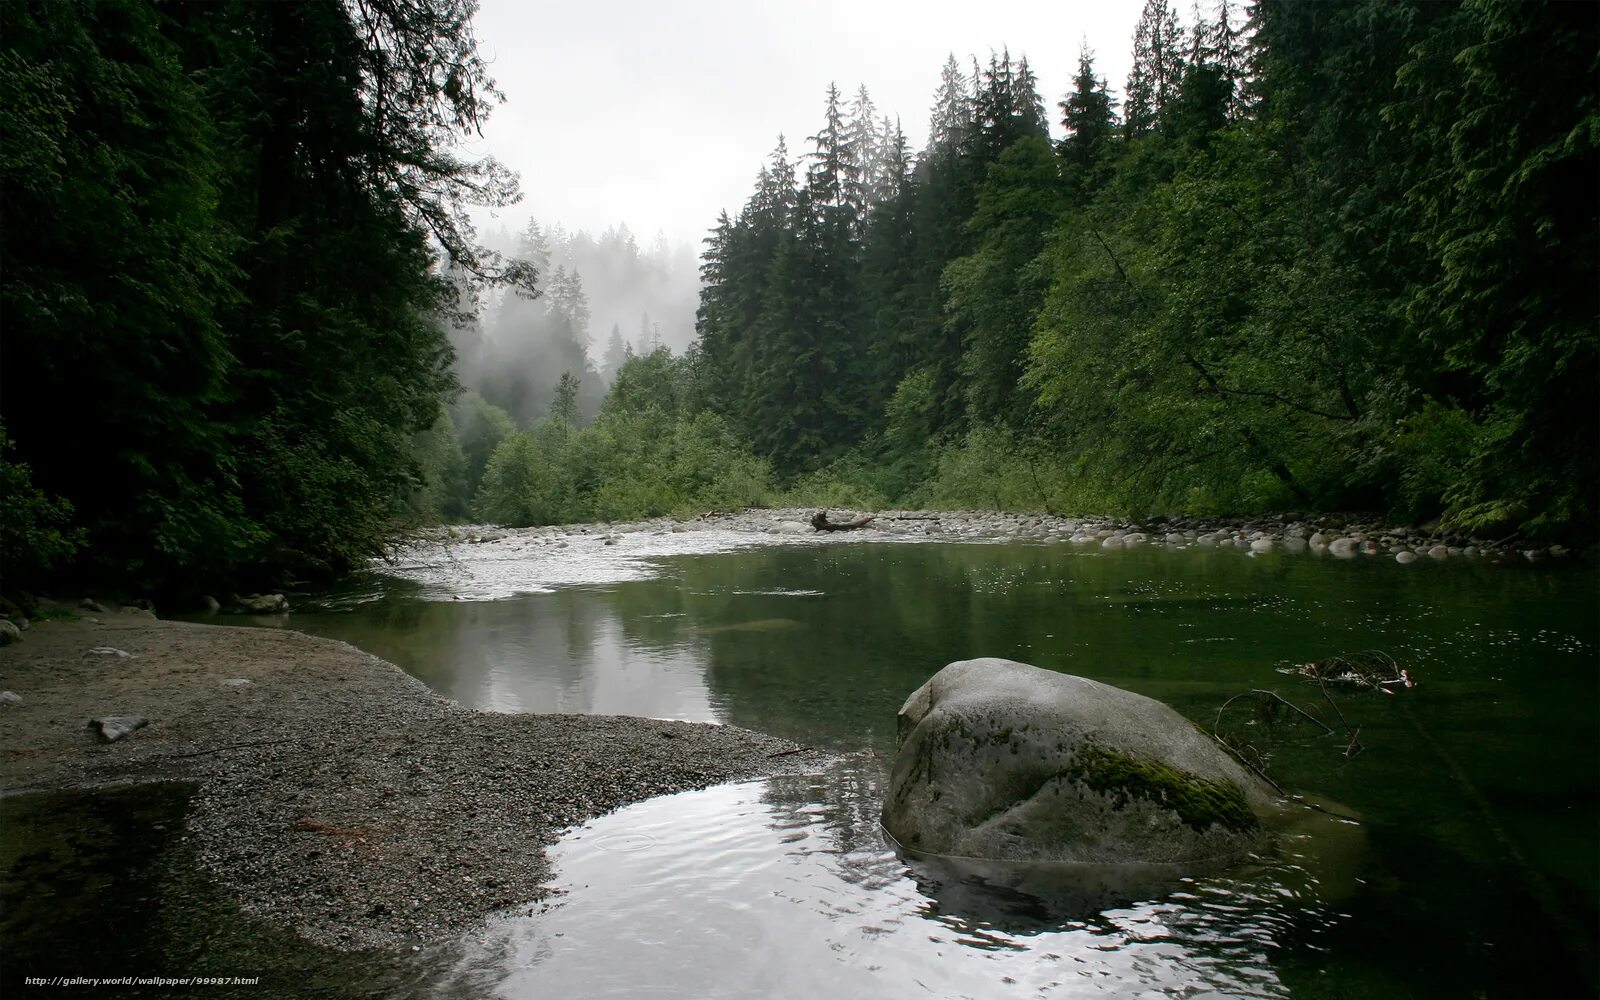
(1473, 872)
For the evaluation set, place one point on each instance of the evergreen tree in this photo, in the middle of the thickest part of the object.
(994, 295)
(1158, 48)
(616, 351)
(863, 168)
(1088, 119)
(278, 232)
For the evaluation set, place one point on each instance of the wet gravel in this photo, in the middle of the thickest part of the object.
(334, 793)
(1314, 534)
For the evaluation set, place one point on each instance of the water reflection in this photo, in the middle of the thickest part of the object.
(786, 888)
(1474, 867)
(564, 652)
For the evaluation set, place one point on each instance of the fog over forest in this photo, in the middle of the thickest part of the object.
(600, 299)
(1256, 257)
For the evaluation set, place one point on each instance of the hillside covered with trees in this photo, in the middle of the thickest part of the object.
(233, 237)
(1309, 255)
(1312, 256)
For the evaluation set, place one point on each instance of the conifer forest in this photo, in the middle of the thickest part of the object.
(1308, 256)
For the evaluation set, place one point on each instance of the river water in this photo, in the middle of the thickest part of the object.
(1472, 871)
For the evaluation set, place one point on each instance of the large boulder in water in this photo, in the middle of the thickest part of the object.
(1000, 760)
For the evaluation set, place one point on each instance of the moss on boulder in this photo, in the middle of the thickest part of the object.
(1006, 761)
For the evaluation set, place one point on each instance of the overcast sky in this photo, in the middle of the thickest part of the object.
(660, 114)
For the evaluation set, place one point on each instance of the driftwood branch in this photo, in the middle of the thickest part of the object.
(1276, 697)
(820, 521)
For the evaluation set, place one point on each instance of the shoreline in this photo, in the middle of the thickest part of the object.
(512, 560)
(340, 797)
(335, 794)
(1336, 535)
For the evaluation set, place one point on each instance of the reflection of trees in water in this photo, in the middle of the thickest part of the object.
(888, 616)
(841, 806)
(1151, 927)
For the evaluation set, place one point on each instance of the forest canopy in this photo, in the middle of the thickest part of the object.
(224, 293)
(1309, 255)
(1332, 256)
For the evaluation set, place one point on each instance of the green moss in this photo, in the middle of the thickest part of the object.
(1198, 802)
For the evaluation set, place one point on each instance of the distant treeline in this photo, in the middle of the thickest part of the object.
(223, 278)
(1314, 256)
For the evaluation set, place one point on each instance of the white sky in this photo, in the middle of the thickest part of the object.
(660, 114)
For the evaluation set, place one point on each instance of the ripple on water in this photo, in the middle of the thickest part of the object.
(787, 888)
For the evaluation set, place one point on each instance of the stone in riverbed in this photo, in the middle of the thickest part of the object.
(1004, 761)
(1405, 556)
(112, 728)
(265, 604)
(9, 698)
(9, 632)
(1344, 548)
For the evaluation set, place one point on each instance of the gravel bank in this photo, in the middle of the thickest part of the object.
(1322, 534)
(335, 793)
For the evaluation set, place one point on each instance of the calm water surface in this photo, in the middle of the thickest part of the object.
(1473, 871)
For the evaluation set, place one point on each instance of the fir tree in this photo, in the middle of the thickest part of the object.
(1088, 119)
(1158, 49)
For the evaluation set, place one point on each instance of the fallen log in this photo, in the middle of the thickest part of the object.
(820, 521)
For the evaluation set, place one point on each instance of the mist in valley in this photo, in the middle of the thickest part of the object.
(600, 299)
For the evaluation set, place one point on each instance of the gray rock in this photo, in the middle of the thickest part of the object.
(109, 652)
(1262, 545)
(9, 632)
(1344, 548)
(792, 528)
(132, 609)
(112, 728)
(210, 603)
(265, 604)
(1405, 556)
(1439, 552)
(236, 682)
(1004, 761)
(90, 604)
(9, 697)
